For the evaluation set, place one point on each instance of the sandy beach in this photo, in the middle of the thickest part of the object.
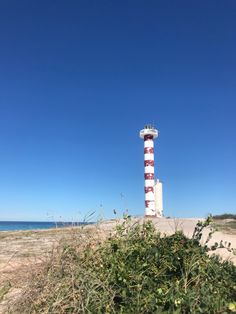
(21, 251)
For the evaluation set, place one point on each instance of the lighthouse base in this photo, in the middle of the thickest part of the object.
(152, 216)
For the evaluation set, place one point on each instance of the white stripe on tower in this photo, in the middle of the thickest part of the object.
(149, 175)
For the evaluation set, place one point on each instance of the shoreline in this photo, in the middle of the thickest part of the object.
(60, 226)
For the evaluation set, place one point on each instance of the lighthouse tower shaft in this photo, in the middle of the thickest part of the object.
(148, 134)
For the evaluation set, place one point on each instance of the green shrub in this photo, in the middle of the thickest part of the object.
(225, 216)
(136, 271)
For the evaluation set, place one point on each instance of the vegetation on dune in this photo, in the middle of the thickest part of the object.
(225, 223)
(224, 216)
(4, 289)
(134, 271)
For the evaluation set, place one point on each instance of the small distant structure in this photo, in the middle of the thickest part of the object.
(152, 187)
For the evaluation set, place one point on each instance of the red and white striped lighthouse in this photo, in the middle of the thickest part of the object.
(149, 133)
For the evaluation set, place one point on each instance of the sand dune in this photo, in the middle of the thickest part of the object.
(21, 250)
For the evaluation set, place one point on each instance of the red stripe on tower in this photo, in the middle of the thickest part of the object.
(149, 163)
(148, 150)
(149, 176)
(148, 189)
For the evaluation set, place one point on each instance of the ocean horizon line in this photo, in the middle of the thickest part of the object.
(21, 225)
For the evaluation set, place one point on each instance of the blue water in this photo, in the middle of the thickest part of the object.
(29, 225)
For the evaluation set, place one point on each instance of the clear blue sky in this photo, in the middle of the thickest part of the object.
(79, 79)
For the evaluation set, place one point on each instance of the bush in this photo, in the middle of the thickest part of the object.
(135, 271)
(225, 216)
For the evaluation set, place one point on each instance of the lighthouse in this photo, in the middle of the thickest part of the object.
(152, 187)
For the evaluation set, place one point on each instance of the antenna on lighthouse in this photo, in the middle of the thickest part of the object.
(153, 191)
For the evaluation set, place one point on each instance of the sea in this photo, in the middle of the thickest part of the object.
(31, 225)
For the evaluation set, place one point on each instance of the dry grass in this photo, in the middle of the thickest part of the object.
(226, 225)
(62, 266)
(31, 252)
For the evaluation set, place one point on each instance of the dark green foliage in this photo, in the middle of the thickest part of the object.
(225, 216)
(140, 271)
(171, 274)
